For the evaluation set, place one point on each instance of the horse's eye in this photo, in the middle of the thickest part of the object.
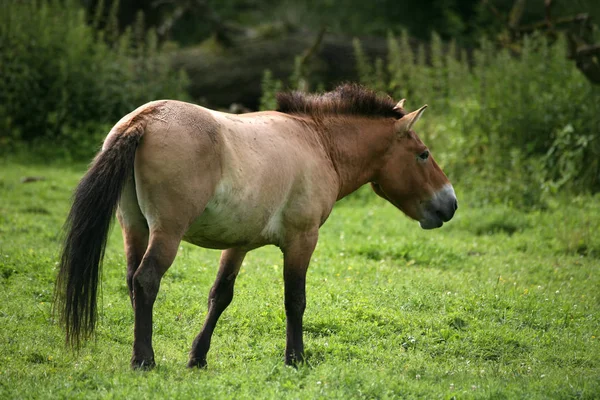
(424, 155)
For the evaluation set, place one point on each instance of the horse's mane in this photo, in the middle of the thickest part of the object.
(346, 99)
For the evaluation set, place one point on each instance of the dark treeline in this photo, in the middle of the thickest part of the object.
(191, 21)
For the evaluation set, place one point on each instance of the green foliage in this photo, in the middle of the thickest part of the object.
(512, 128)
(357, 17)
(270, 86)
(64, 83)
(363, 66)
(499, 303)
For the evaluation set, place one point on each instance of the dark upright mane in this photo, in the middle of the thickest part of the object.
(346, 99)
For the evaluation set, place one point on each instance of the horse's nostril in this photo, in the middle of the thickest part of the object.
(446, 214)
(455, 205)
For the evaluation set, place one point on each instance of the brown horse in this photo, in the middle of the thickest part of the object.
(175, 171)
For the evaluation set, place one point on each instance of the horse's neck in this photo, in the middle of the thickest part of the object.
(357, 147)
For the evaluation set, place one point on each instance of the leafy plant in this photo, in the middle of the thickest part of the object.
(64, 82)
(510, 129)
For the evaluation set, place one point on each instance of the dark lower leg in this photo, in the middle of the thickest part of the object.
(219, 298)
(145, 289)
(296, 257)
(295, 304)
(145, 284)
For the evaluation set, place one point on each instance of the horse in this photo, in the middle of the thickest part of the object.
(174, 171)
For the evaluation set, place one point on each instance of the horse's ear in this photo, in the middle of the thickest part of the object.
(400, 105)
(406, 123)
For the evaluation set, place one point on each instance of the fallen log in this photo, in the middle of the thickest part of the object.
(222, 76)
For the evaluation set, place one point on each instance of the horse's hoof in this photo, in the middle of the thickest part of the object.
(292, 360)
(143, 365)
(196, 363)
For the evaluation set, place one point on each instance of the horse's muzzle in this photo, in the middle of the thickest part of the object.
(439, 209)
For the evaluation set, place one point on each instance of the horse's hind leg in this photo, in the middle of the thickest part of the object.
(146, 281)
(220, 297)
(135, 231)
(136, 242)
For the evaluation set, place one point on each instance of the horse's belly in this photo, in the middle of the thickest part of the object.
(227, 228)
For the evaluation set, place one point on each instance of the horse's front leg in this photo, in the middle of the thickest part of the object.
(146, 281)
(296, 257)
(220, 297)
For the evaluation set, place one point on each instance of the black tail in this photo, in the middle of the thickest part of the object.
(87, 226)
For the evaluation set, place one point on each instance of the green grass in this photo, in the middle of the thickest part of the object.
(497, 304)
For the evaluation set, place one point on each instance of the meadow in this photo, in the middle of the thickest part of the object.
(499, 303)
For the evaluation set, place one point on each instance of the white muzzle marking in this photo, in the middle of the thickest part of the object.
(439, 209)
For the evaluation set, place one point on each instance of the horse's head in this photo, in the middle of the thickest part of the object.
(411, 180)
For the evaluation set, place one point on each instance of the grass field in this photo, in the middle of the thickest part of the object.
(497, 304)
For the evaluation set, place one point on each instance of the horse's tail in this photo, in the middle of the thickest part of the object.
(94, 203)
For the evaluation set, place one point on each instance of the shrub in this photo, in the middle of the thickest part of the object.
(511, 127)
(62, 81)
